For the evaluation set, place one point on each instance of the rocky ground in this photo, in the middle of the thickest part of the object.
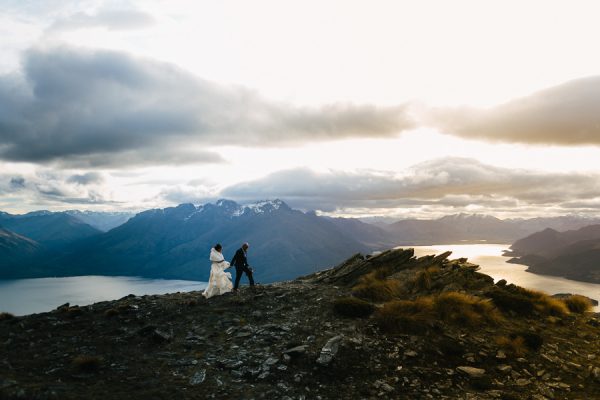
(285, 341)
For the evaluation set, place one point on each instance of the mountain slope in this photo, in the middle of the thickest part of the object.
(316, 337)
(475, 228)
(15, 250)
(47, 228)
(573, 254)
(175, 242)
(103, 221)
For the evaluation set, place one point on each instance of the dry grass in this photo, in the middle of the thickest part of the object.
(578, 304)
(4, 316)
(514, 345)
(87, 364)
(111, 312)
(424, 278)
(527, 302)
(410, 316)
(353, 307)
(451, 307)
(375, 288)
(547, 305)
(465, 309)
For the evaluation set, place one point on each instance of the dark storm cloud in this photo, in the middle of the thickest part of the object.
(75, 106)
(451, 182)
(109, 19)
(568, 114)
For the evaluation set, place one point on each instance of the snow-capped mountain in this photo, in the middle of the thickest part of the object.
(174, 242)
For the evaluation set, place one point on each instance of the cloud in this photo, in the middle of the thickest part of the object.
(86, 179)
(116, 20)
(46, 187)
(456, 183)
(567, 115)
(93, 107)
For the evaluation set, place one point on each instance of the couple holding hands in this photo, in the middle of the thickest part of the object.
(220, 281)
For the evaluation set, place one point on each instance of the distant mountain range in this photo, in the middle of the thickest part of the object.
(101, 220)
(174, 242)
(574, 254)
(475, 228)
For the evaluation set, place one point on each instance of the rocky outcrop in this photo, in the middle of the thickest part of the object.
(285, 341)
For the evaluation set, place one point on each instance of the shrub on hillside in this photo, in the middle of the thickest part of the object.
(578, 304)
(372, 287)
(526, 302)
(451, 307)
(409, 316)
(423, 279)
(465, 309)
(353, 307)
(546, 304)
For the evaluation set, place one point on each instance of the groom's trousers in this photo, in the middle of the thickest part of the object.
(238, 275)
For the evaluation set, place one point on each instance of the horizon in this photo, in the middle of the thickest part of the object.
(384, 218)
(396, 109)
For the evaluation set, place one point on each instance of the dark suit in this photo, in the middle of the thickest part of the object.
(240, 262)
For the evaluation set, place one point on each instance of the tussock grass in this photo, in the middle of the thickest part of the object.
(578, 304)
(461, 308)
(111, 312)
(546, 304)
(513, 346)
(526, 302)
(424, 278)
(375, 288)
(451, 307)
(86, 363)
(410, 316)
(353, 307)
(519, 344)
(4, 316)
(510, 301)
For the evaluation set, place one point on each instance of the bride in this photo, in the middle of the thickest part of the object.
(219, 281)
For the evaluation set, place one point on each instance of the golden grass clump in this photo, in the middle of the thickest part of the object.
(405, 315)
(86, 363)
(465, 309)
(374, 288)
(546, 304)
(578, 304)
(451, 307)
(512, 345)
(6, 316)
(353, 307)
(424, 278)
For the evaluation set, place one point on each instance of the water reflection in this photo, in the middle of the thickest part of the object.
(27, 296)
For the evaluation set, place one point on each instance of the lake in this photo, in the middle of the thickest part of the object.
(28, 296)
(489, 257)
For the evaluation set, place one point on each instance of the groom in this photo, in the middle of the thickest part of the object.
(240, 262)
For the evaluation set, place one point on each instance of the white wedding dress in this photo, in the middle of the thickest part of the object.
(219, 281)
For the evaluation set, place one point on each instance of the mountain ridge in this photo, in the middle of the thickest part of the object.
(573, 254)
(325, 335)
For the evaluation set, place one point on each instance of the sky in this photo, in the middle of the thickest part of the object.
(409, 109)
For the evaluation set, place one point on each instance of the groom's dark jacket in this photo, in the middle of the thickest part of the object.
(239, 259)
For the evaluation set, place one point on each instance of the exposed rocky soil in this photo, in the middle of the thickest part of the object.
(284, 341)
